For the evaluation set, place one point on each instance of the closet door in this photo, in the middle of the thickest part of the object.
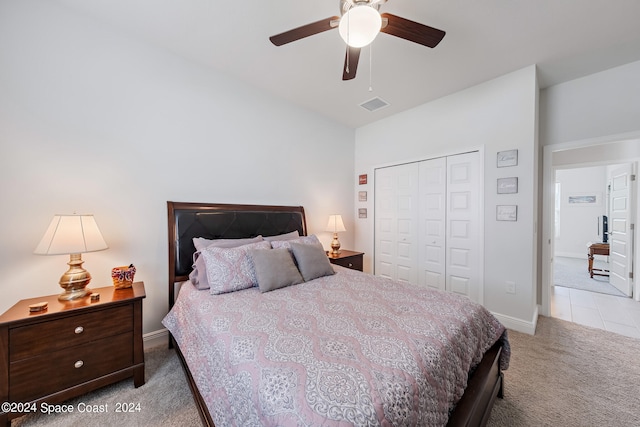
(396, 222)
(432, 223)
(427, 223)
(463, 225)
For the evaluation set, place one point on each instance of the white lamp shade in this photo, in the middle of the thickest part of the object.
(335, 224)
(360, 25)
(71, 234)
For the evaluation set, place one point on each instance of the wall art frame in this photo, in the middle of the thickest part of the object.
(507, 185)
(507, 158)
(584, 199)
(507, 213)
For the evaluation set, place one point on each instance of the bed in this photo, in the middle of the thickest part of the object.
(342, 348)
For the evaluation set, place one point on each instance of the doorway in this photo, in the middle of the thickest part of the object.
(583, 208)
(596, 309)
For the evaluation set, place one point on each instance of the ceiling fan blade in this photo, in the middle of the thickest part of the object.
(351, 63)
(305, 31)
(412, 31)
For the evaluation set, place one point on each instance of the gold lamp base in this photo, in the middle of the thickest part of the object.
(335, 245)
(74, 280)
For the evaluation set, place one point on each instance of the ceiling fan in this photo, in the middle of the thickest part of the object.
(359, 23)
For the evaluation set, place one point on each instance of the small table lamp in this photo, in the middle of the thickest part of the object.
(73, 235)
(335, 225)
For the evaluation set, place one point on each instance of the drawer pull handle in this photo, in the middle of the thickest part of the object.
(350, 265)
(79, 330)
(78, 364)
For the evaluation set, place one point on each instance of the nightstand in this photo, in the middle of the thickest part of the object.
(349, 259)
(71, 348)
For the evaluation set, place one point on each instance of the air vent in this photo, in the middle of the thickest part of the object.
(374, 104)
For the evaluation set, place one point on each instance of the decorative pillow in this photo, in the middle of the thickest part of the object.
(286, 236)
(198, 275)
(231, 269)
(200, 242)
(305, 240)
(275, 269)
(312, 261)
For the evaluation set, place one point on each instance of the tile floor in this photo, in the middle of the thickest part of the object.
(615, 314)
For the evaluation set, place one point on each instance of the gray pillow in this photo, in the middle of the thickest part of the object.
(275, 269)
(312, 261)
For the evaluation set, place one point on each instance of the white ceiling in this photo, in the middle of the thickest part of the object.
(485, 39)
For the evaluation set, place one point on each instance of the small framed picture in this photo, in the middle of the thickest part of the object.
(507, 213)
(362, 196)
(362, 179)
(362, 212)
(588, 199)
(508, 185)
(507, 158)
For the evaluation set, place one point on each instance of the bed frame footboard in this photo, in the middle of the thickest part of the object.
(484, 386)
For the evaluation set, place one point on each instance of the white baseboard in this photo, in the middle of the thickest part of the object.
(519, 324)
(156, 338)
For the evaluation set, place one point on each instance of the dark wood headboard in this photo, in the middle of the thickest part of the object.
(222, 221)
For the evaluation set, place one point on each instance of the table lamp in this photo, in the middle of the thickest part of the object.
(73, 235)
(335, 225)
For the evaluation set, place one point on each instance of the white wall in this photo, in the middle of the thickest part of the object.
(579, 222)
(598, 105)
(93, 121)
(497, 115)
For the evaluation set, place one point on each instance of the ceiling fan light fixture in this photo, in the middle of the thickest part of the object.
(360, 25)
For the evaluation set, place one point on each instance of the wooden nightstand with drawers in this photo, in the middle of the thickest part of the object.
(69, 349)
(349, 259)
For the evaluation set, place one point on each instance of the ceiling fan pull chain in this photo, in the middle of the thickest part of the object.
(348, 32)
(370, 67)
(347, 61)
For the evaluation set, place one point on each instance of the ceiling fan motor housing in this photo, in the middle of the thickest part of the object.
(360, 25)
(345, 5)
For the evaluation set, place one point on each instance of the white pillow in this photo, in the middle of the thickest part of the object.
(200, 242)
(286, 236)
(305, 240)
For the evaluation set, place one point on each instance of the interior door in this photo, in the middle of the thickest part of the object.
(396, 222)
(621, 234)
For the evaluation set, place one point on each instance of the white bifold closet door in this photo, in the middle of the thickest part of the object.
(396, 222)
(427, 223)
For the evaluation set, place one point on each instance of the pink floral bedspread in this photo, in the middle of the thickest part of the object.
(347, 349)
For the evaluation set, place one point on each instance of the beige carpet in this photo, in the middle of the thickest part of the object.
(165, 400)
(570, 375)
(565, 375)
